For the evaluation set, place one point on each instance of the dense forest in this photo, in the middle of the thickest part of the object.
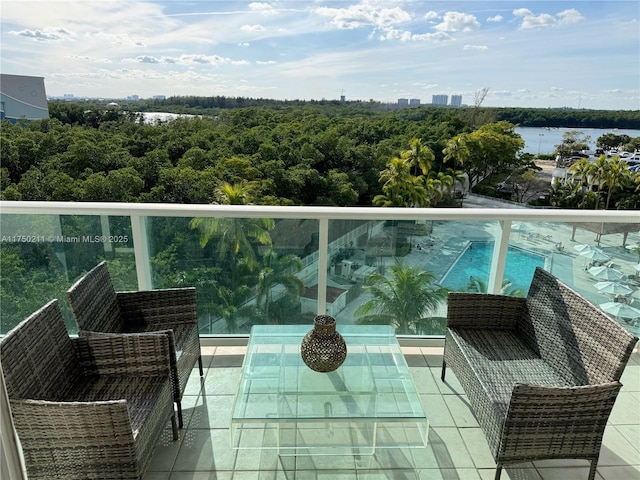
(309, 155)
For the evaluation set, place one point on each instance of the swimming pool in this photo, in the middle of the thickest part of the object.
(475, 262)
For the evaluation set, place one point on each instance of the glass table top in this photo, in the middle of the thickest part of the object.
(373, 383)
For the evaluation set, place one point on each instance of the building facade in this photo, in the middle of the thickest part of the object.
(439, 99)
(22, 97)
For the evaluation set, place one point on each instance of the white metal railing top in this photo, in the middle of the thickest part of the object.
(336, 213)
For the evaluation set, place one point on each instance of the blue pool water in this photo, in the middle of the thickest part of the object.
(476, 262)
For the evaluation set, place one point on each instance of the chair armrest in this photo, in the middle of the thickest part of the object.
(43, 425)
(146, 354)
(571, 417)
(159, 307)
(481, 310)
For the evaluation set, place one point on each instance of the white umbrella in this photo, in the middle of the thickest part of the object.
(613, 288)
(583, 248)
(594, 254)
(621, 310)
(606, 273)
(519, 227)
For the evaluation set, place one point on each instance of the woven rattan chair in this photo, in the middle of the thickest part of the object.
(86, 407)
(99, 310)
(541, 373)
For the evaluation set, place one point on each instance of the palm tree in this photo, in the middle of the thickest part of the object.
(457, 150)
(400, 187)
(232, 305)
(616, 176)
(278, 271)
(582, 170)
(404, 300)
(418, 156)
(236, 236)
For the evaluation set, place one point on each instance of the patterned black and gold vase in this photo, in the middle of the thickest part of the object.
(323, 349)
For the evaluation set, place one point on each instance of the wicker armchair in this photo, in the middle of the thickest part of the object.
(541, 373)
(99, 310)
(86, 407)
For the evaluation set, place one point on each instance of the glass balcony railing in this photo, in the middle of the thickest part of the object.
(264, 265)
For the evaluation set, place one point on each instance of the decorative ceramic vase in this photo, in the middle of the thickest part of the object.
(323, 349)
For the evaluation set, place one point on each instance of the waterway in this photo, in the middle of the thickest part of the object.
(544, 139)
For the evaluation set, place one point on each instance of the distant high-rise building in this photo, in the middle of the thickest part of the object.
(439, 99)
(133, 98)
(414, 102)
(456, 100)
(403, 102)
(159, 97)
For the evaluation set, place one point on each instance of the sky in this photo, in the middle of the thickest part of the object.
(577, 54)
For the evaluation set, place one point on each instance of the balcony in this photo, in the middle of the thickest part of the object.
(47, 245)
(456, 450)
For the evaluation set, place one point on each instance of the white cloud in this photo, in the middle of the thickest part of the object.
(406, 36)
(268, 62)
(530, 20)
(263, 8)
(116, 39)
(496, 18)
(366, 14)
(569, 16)
(431, 15)
(475, 47)
(458, 22)
(47, 34)
(432, 37)
(87, 58)
(252, 28)
(426, 86)
(185, 59)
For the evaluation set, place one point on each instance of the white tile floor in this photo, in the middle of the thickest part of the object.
(457, 449)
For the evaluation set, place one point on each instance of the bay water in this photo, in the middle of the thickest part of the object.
(544, 139)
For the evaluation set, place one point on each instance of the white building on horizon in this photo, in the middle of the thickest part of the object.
(456, 100)
(439, 99)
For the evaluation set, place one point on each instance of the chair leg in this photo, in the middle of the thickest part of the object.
(498, 472)
(174, 427)
(180, 422)
(200, 366)
(594, 467)
(444, 370)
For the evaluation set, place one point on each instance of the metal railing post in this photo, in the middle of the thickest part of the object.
(323, 265)
(141, 252)
(499, 259)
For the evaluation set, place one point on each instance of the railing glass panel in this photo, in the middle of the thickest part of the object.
(272, 266)
(42, 255)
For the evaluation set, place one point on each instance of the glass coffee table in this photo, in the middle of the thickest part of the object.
(369, 402)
